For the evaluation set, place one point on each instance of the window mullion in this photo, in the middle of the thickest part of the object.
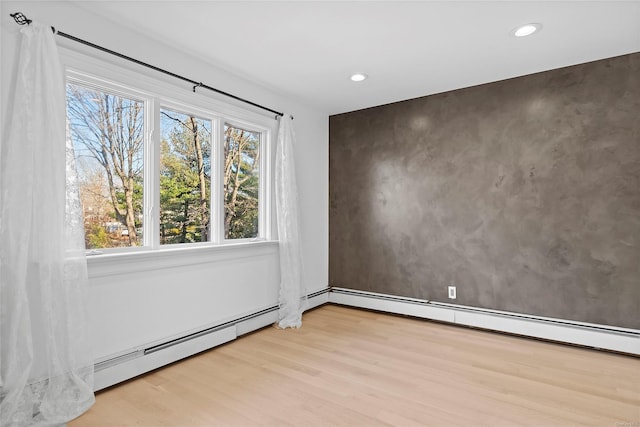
(217, 179)
(264, 205)
(152, 176)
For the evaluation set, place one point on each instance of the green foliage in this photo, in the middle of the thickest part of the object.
(184, 170)
(244, 221)
(96, 237)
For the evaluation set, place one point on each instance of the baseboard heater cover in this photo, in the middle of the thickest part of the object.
(591, 335)
(136, 362)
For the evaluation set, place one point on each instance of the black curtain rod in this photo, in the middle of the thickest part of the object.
(21, 19)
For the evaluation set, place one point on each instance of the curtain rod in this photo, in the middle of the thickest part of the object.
(21, 19)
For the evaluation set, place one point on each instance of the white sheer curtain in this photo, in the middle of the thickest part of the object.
(293, 293)
(46, 366)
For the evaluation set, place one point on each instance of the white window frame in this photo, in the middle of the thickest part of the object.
(264, 230)
(156, 94)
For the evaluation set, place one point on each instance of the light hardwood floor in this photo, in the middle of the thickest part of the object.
(350, 367)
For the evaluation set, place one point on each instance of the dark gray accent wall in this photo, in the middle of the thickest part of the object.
(524, 193)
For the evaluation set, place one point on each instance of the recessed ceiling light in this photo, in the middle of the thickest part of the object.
(526, 30)
(358, 77)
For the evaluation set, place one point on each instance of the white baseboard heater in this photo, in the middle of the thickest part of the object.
(136, 362)
(585, 334)
(139, 361)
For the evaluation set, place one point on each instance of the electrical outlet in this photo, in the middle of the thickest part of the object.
(452, 292)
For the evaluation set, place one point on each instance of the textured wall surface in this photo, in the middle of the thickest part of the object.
(524, 193)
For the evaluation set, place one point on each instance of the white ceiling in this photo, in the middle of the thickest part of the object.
(308, 49)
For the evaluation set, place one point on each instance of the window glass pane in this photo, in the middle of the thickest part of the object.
(185, 178)
(108, 138)
(241, 175)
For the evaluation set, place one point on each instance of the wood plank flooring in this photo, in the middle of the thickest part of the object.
(350, 367)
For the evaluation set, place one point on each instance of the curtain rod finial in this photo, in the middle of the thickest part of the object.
(20, 18)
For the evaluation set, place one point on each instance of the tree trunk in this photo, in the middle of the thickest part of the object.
(130, 219)
(204, 233)
(183, 236)
(231, 206)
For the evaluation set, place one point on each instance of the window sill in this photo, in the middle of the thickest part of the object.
(110, 264)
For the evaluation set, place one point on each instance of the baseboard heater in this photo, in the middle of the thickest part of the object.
(136, 362)
(125, 366)
(579, 333)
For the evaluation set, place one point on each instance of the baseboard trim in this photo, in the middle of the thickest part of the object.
(590, 335)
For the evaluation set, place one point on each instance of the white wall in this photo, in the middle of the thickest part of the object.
(136, 301)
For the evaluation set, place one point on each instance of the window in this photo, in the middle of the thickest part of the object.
(241, 179)
(185, 178)
(154, 172)
(108, 135)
